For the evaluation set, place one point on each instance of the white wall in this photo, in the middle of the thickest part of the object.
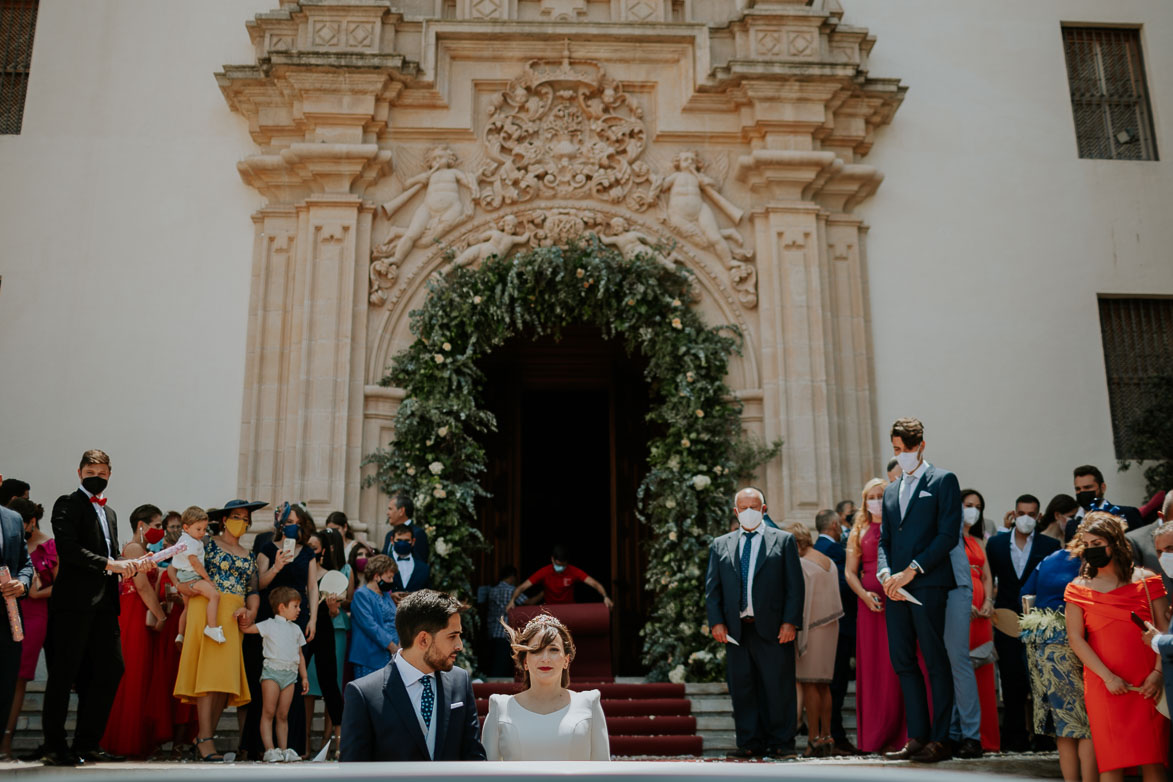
(991, 239)
(126, 251)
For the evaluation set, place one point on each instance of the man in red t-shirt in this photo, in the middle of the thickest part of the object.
(557, 580)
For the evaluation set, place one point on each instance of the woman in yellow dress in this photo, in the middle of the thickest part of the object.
(211, 675)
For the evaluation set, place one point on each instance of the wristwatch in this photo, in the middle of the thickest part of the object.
(916, 566)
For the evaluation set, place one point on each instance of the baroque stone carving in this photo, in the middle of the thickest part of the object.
(689, 215)
(497, 241)
(441, 210)
(565, 131)
(563, 10)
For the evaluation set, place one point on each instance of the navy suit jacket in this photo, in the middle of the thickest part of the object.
(928, 532)
(83, 583)
(16, 553)
(379, 723)
(419, 577)
(778, 589)
(838, 555)
(1008, 584)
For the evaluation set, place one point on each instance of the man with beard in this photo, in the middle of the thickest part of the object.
(419, 707)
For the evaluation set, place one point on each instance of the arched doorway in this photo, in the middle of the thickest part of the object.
(564, 467)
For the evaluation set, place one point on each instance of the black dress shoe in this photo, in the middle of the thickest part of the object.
(65, 758)
(741, 754)
(785, 752)
(969, 749)
(101, 756)
(911, 748)
(933, 752)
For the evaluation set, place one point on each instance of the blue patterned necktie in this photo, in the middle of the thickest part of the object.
(746, 550)
(427, 701)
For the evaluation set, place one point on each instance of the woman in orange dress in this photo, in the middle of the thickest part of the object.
(981, 640)
(1122, 676)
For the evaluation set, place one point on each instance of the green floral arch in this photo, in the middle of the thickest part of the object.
(695, 458)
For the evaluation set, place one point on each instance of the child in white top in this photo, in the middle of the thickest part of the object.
(189, 567)
(284, 664)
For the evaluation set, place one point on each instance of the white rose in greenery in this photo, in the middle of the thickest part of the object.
(685, 443)
(704, 629)
(447, 346)
(685, 628)
(674, 462)
(476, 299)
(701, 482)
(442, 548)
(439, 493)
(677, 324)
(676, 675)
(676, 302)
(430, 529)
(411, 471)
(669, 503)
(579, 273)
(436, 468)
(442, 431)
(438, 358)
(718, 469)
(672, 536)
(700, 413)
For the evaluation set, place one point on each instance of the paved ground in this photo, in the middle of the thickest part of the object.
(1029, 765)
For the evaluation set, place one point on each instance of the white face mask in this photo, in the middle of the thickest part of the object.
(875, 507)
(908, 460)
(1024, 524)
(970, 515)
(749, 518)
(1166, 560)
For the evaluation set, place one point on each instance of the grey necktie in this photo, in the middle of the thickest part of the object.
(906, 485)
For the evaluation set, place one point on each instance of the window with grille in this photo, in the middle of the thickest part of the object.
(18, 20)
(1109, 97)
(1138, 357)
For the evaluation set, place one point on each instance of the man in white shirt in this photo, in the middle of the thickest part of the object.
(419, 707)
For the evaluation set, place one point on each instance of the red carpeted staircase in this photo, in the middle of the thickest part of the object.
(642, 719)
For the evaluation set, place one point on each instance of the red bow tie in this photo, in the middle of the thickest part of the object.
(98, 501)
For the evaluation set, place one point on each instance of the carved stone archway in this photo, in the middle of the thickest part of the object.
(739, 140)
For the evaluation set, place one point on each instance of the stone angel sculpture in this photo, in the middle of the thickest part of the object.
(442, 208)
(631, 243)
(493, 242)
(689, 215)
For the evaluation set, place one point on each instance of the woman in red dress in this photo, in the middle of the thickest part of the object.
(173, 720)
(1122, 677)
(128, 731)
(981, 636)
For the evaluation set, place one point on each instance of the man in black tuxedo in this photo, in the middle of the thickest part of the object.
(401, 510)
(412, 573)
(829, 525)
(15, 556)
(419, 707)
(86, 653)
(1013, 555)
(753, 598)
(920, 525)
(1089, 486)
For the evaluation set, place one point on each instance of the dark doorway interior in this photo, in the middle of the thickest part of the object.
(564, 466)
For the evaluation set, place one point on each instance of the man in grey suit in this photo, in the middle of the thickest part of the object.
(753, 597)
(1144, 550)
(419, 707)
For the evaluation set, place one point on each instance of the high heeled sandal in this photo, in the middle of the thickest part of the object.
(212, 757)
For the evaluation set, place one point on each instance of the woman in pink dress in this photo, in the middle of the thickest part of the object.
(878, 702)
(34, 608)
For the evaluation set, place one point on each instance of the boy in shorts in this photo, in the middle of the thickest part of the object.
(284, 664)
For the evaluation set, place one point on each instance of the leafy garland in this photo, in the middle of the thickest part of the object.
(695, 459)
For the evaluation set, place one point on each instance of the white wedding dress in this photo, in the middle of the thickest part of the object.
(577, 731)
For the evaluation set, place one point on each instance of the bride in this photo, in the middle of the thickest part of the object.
(545, 721)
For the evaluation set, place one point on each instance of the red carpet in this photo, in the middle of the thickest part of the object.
(642, 719)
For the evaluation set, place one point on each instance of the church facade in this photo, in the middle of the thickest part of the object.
(258, 193)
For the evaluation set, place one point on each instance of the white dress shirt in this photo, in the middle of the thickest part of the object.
(101, 511)
(406, 567)
(754, 551)
(1019, 556)
(908, 485)
(413, 680)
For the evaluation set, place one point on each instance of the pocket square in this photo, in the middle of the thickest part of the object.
(925, 494)
(456, 705)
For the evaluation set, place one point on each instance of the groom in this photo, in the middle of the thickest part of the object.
(419, 707)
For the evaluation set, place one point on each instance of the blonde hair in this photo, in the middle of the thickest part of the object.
(193, 515)
(802, 535)
(539, 633)
(862, 517)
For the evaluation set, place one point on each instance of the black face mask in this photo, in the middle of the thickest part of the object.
(1097, 556)
(94, 484)
(386, 586)
(1085, 499)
